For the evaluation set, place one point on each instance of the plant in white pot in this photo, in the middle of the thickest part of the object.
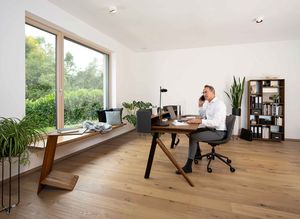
(235, 95)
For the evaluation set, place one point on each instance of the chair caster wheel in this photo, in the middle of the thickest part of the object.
(208, 157)
(232, 169)
(209, 170)
(228, 161)
(196, 161)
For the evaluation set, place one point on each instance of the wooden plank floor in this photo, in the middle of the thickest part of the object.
(111, 183)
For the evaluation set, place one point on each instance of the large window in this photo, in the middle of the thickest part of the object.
(66, 78)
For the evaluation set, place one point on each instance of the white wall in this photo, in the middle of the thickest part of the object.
(185, 72)
(12, 63)
(12, 53)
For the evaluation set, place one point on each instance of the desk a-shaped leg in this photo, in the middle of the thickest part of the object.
(55, 179)
(151, 155)
(172, 159)
(155, 141)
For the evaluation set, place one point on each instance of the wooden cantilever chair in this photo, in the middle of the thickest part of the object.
(211, 155)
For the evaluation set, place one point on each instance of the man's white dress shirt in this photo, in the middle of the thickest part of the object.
(213, 114)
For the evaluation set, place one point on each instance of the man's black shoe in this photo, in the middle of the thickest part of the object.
(185, 169)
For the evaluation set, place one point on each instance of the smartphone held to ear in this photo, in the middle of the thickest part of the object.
(202, 98)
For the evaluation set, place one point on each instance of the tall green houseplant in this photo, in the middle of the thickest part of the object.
(235, 95)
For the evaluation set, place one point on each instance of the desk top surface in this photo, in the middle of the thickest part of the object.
(171, 128)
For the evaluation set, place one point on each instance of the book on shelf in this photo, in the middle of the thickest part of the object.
(256, 102)
(265, 132)
(272, 110)
(259, 131)
(256, 131)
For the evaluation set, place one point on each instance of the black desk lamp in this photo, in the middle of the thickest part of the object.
(160, 122)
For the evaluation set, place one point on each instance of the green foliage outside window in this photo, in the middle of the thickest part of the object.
(40, 68)
(76, 110)
(81, 105)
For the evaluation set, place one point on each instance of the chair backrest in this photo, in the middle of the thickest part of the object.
(230, 120)
(143, 120)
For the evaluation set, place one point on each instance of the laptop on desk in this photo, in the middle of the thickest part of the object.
(171, 112)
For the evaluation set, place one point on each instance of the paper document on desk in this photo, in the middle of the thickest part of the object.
(186, 118)
(176, 122)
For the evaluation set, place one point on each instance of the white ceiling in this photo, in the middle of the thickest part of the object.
(150, 25)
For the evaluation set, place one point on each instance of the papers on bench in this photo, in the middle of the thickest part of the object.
(72, 131)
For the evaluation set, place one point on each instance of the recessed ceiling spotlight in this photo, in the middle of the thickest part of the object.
(259, 20)
(112, 9)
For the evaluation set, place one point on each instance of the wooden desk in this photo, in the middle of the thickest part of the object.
(54, 178)
(156, 130)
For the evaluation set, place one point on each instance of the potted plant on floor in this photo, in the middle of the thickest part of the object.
(16, 135)
(235, 95)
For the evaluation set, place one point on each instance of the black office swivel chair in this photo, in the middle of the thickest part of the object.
(211, 155)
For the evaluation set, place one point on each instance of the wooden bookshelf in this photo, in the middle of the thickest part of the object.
(266, 110)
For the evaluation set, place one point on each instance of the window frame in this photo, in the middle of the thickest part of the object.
(62, 34)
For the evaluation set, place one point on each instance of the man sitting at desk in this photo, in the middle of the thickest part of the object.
(212, 124)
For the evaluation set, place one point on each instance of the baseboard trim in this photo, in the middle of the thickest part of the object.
(292, 139)
(286, 139)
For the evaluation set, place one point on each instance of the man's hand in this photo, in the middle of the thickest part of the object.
(195, 121)
(200, 103)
